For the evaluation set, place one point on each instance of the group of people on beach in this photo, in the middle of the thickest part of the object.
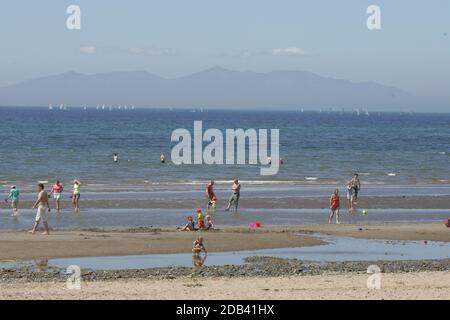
(42, 203)
(353, 188)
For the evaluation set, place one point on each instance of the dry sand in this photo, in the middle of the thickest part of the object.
(419, 285)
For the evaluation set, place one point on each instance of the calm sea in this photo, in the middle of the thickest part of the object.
(38, 144)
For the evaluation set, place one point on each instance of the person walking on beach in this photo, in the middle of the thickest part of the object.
(209, 193)
(334, 206)
(57, 189)
(42, 205)
(235, 195)
(76, 194)
(14, 194)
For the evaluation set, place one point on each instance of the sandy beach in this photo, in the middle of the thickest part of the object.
(24, 246)
(84, 243)
(411, 286)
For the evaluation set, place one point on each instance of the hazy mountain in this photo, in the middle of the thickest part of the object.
(212, 88)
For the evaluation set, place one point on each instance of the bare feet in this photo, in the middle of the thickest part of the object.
(46, 233)
(32, 232)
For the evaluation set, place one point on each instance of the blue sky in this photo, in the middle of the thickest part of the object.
(177, 37)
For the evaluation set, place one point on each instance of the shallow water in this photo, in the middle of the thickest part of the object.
(336, 249)
(253, 191)
(125, 218)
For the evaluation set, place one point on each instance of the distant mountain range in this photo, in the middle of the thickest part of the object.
(212, 88)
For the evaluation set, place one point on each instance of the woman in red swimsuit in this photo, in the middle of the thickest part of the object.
(334, 206)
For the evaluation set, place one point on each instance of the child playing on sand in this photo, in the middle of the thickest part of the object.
(334, 206)
(209, 223)
(190, 226)
(198, 246)
(200, 219)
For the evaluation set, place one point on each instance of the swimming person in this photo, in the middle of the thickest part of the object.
(198, 246)
(57, 189)
(209, 193)
(42, 205)
(235, 195)
(76, 194)
(14, 194)
(334, 206)
(115, 158)
(162, 158)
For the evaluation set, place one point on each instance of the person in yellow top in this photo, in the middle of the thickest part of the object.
(76, 194)
(200, 219)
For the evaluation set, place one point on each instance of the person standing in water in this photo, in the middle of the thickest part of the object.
(76, 194)
(162, 158)
(57, 189)
(209, 193)
(42, 205)
(14, 194)
(334, 206)
(115, 158)
(356, 187)
(350, 196)
(235, 195)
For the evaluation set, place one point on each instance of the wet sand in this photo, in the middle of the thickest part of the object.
(402, 202)
(411, 286)
(391, 231)
(64, 244)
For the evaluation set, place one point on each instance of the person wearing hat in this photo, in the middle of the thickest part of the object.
(14, 194)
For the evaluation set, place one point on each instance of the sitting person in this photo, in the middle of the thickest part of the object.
(200, 219)
(198, 247)
(209, 225)
(190, 226)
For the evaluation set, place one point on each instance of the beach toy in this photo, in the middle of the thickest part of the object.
(364, 212)
(255, 224)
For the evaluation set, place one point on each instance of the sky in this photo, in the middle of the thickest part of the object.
(172, 38)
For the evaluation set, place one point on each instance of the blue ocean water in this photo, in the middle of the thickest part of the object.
(38, 144)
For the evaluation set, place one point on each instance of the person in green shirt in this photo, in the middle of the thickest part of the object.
(14, 194)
